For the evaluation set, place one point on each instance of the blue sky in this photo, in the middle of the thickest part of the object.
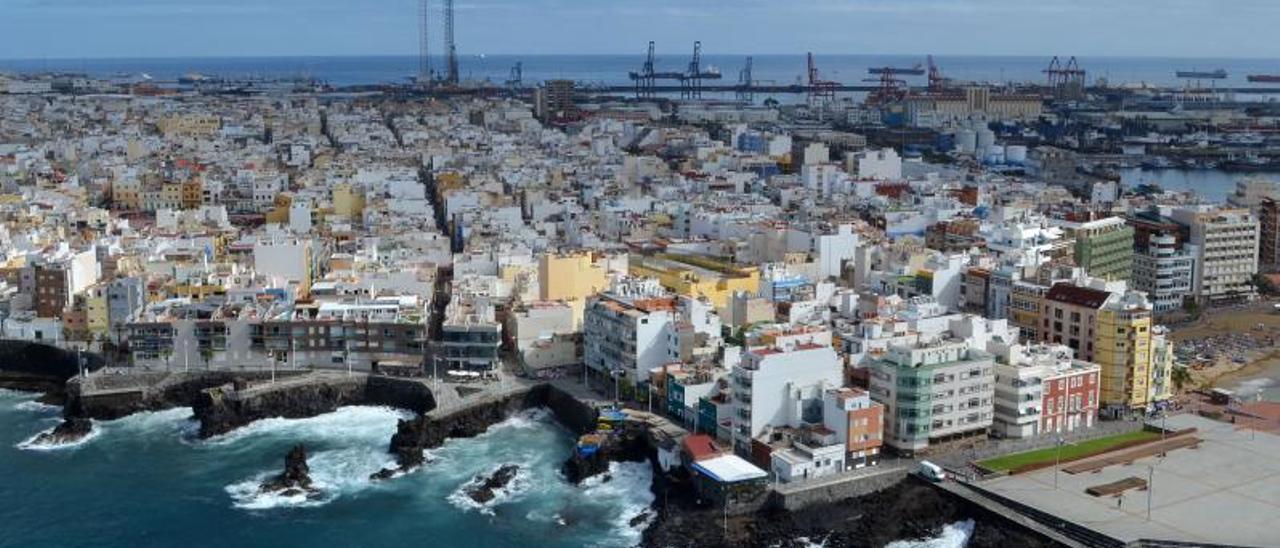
(175, 28)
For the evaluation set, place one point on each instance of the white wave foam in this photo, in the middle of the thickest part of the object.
(33, 406)
(629, 489)
(512, 491)
(347, 424)
(955, 535)
(31, 445)
(248, 495)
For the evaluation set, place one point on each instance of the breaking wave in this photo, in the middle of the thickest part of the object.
(955, 535)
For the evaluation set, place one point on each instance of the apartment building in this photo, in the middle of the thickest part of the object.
(933, 391)
(1165, 270)
(1227, 242)
(1103, 248)
(1041, 389)
(628, 329)
(781, 386)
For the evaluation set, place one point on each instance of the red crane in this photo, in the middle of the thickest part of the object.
(936, 81)
(819, 90)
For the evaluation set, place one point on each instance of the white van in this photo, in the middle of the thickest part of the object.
(931, 471)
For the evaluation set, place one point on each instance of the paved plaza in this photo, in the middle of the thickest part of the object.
(1226, 491)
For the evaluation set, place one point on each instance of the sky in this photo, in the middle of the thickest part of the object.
(51, 29)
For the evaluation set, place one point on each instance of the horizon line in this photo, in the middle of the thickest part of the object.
(619, 54)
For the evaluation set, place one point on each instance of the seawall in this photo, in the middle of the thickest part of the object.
(35, 367)
(469, 419)
(221, 409)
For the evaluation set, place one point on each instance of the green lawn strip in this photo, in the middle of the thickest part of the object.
(1069, 452)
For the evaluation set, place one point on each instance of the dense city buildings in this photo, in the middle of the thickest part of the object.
(803, 287)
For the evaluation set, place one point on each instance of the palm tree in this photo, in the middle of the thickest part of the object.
(1180, 377)
(206, 354)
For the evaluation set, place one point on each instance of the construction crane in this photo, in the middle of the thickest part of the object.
(746, 82)
(820, 91)
(516, 79)
(424, 48)
(450, 46)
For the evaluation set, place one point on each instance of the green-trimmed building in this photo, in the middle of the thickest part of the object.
(1104, 248)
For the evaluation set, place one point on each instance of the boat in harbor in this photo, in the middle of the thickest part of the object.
(1264, 78)
(1205, 74)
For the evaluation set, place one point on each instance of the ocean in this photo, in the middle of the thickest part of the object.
(613, 69)
(146, 481)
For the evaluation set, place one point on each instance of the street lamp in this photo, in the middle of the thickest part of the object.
(1057, 460)
(1151, 476)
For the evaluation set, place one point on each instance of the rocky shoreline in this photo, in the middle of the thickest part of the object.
(909, 509)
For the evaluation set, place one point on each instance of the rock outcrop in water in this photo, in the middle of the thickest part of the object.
(296, 478)
(71, 430)
(485, 489)
(628, 443)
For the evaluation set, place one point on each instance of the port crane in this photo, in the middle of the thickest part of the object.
(516, 79)
(820, 91)
(691, 82)
(937, 82)
(646, 79)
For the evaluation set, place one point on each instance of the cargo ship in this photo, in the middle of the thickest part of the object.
(915, 70)
(1215, 74)
(1267, 78)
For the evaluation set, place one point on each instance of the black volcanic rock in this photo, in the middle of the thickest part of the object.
(71, 430)
(484, 489)
(296, 478)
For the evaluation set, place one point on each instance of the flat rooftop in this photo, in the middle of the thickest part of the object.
(1223, 492)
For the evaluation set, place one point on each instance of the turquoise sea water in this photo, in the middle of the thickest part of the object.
(147, 481)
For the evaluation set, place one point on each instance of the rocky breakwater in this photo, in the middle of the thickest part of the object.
(430, 430)
(224, 408)
(295, 481)
(120, 393)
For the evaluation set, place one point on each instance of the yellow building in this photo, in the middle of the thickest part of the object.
(95, 310)
(189, 125)
(696, 276)
(192, 194)
(348, 201)
(126, 194)
(1123, 348)
(571, 277)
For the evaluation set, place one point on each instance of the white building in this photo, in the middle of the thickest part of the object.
(781, 386)
(1227, 244)
(883, 164)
